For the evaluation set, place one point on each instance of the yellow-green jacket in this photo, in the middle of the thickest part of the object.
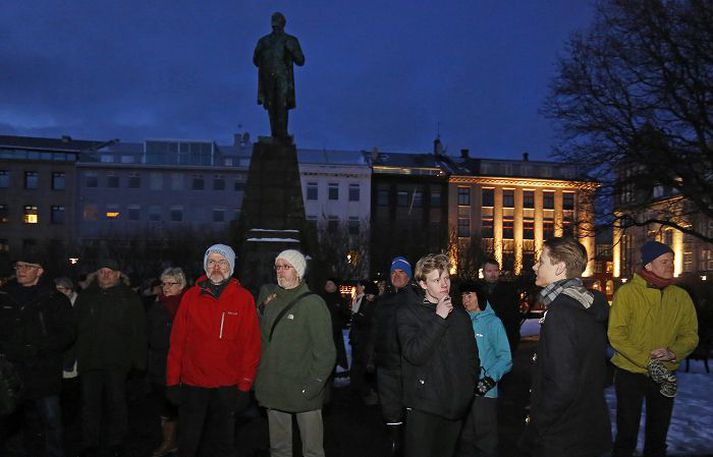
(644, 318)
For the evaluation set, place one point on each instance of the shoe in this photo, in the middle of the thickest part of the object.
(168, 445)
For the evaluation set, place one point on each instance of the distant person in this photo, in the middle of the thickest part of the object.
(36, 327)
(274, 56)
(212, 358)
(359, 334)
(653, 327)
(298, 356)
(479, 437)
(159, 322)
(439, 362)
(339, 312)
(384, 351)
(503, 298)
(569, 416)
(111, 341)
(71, 391)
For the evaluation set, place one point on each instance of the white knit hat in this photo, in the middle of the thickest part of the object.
(294, 258)
(224, 250)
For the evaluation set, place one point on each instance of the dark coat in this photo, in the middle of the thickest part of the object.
(159, 322)
(111, 329)
(340, 315)
(569, 414)
(439, 362)
(36, 326)
(383, 345)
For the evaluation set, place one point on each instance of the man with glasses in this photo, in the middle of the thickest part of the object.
(35, 328)
(298, 355)
(111, 341)
(213, 355)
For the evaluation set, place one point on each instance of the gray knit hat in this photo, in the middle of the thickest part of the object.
(224, 250)
(294, 258)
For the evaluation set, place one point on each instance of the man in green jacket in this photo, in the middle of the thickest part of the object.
(298, 356)
(111, 341)
(652, 328)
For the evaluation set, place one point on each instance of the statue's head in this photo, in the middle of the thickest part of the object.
(278, 22)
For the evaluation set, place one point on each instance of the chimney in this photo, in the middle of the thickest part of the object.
(525, 156)
(437, 146)
(465, 153)
(374, 154)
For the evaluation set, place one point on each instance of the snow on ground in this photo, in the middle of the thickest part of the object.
(691, 430)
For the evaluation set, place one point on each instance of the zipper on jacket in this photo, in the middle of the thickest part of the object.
(222, 321)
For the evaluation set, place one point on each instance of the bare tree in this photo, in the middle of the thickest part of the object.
(634, 102)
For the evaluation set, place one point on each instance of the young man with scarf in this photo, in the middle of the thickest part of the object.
(653, 327)
(569, 414)
(213, 356)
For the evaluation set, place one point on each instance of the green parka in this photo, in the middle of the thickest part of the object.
(297, 362)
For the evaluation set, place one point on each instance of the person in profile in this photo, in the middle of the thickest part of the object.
(274, 56)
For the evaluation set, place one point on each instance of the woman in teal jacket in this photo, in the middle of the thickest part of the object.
(479, 436)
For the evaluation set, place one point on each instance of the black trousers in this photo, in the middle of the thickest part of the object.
(631, 390)
(206, 421)
(479, 436)
(388, 384)
(429, 435)
(104, 403)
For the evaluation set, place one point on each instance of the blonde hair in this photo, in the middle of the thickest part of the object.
(429, 263)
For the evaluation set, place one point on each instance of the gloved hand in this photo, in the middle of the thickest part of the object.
(173, 394)
(242, 401)
(484, 385)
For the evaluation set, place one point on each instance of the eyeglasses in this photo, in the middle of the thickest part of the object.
(24, 266)
(221, 263)
(283, 267)
(169, 284)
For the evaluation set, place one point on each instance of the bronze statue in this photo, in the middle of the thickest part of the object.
(274, 55)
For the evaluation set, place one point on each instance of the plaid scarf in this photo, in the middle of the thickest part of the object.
(570, 287)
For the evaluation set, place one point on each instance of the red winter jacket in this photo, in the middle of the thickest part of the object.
(214, 342)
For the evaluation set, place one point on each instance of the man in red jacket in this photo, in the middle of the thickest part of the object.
(214, 353)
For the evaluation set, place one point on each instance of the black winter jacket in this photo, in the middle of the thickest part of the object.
(36, 326)
(383, 344)
(111, 329)
(439, 362)
(569, 414)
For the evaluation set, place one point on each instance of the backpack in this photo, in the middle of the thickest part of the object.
(10, 387)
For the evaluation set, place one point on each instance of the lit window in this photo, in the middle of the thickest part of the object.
(112, 212)
(30, 215)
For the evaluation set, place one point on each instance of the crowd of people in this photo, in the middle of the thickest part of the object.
(431, 356)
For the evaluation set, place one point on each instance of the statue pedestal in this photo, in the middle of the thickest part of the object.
(272, 216)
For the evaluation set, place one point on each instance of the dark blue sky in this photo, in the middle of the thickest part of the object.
(378, 73)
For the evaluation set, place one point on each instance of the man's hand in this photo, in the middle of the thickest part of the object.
(444, 306)
(663, 354)
(173, 394)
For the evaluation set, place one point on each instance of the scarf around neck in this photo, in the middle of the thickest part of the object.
(652, 280)
(570, 287)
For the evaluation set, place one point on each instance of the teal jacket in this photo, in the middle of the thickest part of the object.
(297, 362)
(493, 346)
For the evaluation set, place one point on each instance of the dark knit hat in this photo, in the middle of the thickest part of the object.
(32, 256)
(401, 263)
(470, 286)
(651, 250)
(109, 263)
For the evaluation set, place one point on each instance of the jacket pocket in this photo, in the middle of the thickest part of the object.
(228, 325)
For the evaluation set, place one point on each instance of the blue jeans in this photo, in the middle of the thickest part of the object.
(43, 416)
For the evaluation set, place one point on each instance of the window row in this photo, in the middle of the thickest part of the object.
(528, 198)
(508, 228)
(152, 213)
(353, 224)
(159, 181)
(31, 180)
(354, 191)
(409, 197)
(31, 214)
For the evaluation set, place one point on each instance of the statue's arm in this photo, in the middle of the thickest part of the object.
(293, 46)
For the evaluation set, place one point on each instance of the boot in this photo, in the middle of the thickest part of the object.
(168, 445)
(394, 432)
